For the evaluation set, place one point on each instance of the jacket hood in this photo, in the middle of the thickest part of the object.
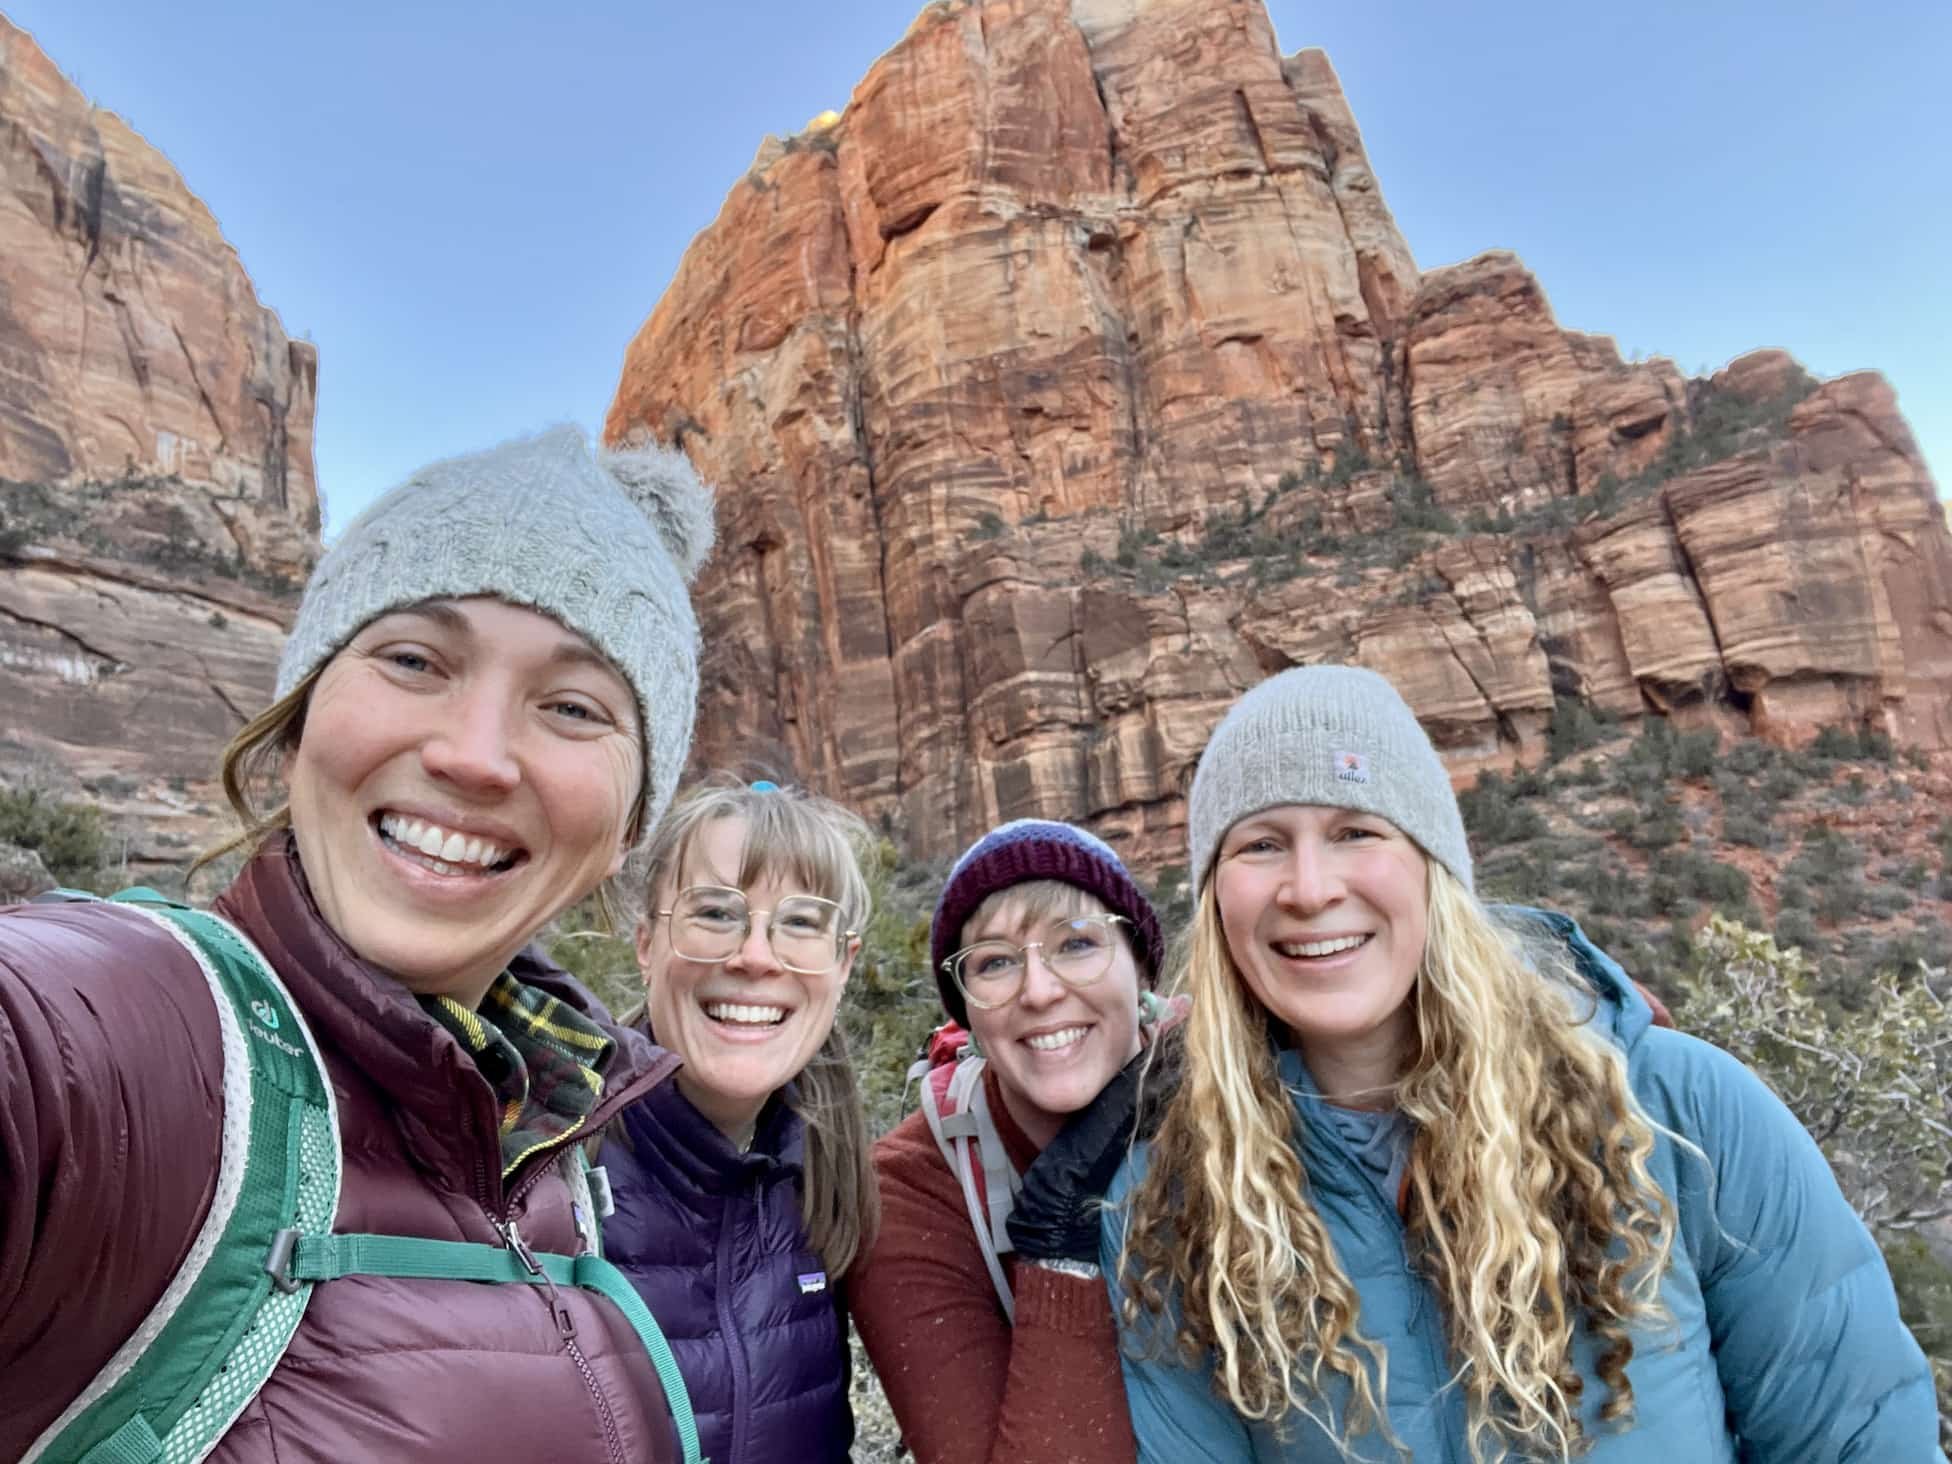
(1623, 1010)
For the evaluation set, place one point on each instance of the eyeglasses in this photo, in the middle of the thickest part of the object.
(1077, 952)
(711, 922)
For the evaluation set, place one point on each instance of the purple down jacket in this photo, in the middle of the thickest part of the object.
(713, 1241)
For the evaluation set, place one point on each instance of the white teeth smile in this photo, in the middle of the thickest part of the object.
(1320, 947)
(1056, 1041)
(443, 849)
(745, 1014)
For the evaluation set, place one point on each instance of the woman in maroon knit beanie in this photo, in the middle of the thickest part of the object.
(1046, 951)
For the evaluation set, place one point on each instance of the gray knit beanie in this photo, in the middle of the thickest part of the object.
(605, 543)
(1334, 736)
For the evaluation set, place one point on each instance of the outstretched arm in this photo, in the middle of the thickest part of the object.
(111, 1113)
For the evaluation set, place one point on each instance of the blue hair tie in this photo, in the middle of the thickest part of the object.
(765, 785)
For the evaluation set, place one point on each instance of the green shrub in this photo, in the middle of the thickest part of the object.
(1414, 507)
(891, 1003)
(1748, 825)
(1493, 814)
(988, 526)
(602, 959)
(1575, 726)
(1834, 744)
(69, 837)
(1658, 826)
(1795, 929)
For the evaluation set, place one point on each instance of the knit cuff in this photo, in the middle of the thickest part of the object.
(1071, 1305)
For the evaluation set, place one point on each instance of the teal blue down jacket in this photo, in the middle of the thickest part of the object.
(1785, 1345)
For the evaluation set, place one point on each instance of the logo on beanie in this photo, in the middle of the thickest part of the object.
(1349, 767)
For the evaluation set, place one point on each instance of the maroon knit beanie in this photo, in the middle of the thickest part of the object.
(1029, 849)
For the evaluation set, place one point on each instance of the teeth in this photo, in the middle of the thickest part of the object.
(441, 846)
(1320, 947)
(732, 1011)
(1053, 1041)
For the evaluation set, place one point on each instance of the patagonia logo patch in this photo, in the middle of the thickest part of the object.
(1349, 767)
(812, 1281)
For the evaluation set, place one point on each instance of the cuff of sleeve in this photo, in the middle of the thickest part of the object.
(1060, 1301)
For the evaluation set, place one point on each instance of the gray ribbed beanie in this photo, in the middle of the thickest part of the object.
(605, 543)
(1335, 736)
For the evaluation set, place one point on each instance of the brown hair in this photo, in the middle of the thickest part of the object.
(252, 763)
(819, 846)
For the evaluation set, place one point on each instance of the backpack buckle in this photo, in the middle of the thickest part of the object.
(277, 1265)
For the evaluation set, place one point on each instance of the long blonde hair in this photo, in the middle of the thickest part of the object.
(1529, 1202)
(820, 847)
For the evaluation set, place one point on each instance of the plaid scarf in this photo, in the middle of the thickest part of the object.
(543, 1058)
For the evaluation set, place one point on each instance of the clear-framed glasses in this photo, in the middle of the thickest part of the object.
(1076, 951)
(710, 923)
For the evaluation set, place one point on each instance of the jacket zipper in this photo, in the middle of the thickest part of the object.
(558, 1308)
(735, 1347)
(566, 1329)
(1426, 1319)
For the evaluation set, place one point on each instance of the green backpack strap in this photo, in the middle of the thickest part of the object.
(315, 1258)
(221, 1325)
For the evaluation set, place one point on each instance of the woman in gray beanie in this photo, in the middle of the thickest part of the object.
(483, 705)
(1436, 1186)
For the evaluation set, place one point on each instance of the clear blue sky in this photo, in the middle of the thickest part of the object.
(472, 207)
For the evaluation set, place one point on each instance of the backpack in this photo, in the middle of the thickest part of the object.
(223, 1322)
(958, 1113)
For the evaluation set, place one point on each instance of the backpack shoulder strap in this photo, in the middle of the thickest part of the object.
(220, 1326)
(973, 1150)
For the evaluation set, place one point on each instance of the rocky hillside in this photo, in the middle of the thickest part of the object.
(158, 511)
(1076, 377)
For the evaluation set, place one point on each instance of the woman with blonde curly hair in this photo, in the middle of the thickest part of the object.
(1434, 1186)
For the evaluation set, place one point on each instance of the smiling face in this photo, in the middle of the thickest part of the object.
(467, 771)
(1325, 912)
(745, 1026)
(1055, 1047)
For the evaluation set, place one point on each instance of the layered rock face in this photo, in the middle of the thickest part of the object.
(158, 510)
(1077, 377)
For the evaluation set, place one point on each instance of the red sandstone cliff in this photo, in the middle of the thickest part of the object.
(157, 503)
(1077, 377)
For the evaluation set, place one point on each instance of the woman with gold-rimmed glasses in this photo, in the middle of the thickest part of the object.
(743, 1189)
(981, 1302)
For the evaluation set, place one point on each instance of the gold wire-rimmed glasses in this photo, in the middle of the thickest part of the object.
(710, 922)
(1077, 951)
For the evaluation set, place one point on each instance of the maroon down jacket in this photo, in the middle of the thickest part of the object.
(110, 1109)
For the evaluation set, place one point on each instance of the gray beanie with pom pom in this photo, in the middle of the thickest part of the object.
(605, 543)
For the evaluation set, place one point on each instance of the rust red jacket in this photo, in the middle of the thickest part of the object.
(110, 1115)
